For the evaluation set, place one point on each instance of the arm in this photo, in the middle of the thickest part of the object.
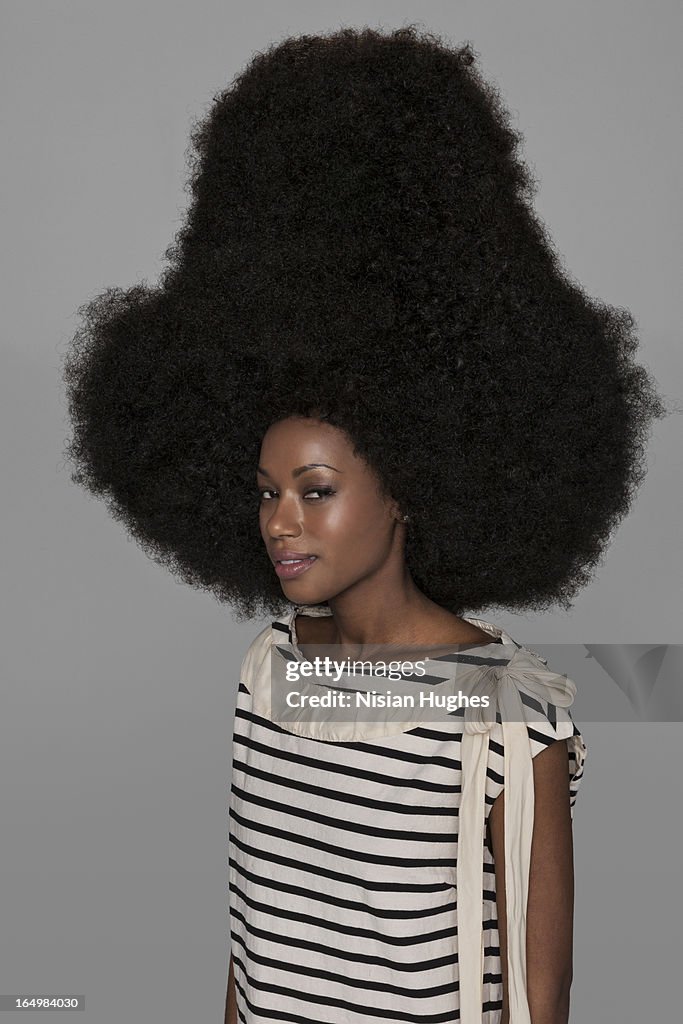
(230, 1004)
(550, 905)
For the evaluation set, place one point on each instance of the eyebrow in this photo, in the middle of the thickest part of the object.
(300, 469)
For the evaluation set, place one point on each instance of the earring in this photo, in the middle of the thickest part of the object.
(405, 519)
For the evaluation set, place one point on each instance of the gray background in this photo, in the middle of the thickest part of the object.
(118, 685)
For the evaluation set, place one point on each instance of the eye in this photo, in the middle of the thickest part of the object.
(324, 492)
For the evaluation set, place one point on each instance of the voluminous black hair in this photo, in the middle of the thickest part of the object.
(361, 240)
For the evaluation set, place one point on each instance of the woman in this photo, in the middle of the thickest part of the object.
(371, 907)
(364, 399)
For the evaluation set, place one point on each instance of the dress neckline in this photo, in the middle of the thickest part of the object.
(499, 636)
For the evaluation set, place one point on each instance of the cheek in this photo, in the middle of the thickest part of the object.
(361, 522)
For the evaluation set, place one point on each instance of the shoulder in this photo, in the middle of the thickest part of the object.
(545, 698)
(256, 653)
(545, 695)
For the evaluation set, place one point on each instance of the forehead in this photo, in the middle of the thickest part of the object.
(298, 437)
(295, 442)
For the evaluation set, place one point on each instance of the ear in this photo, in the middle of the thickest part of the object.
(397, 514)
(393, 508)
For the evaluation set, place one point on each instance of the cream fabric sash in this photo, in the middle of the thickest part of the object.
(526, 670)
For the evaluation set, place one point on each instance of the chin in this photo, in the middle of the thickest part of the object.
(304, 599)
(298, 594)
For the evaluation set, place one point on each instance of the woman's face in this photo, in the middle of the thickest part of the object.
(319, 499)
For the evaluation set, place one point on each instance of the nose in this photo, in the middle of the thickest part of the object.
(284, 520)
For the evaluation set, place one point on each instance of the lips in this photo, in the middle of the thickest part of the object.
(291, 564)
(291, 556)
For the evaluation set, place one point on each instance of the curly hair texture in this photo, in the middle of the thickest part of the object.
(361, 223)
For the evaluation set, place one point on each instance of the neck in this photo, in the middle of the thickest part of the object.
(373, 612)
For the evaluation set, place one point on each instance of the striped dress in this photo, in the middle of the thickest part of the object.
(351, 898)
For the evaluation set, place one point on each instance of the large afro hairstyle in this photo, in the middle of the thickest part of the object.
(361, 224)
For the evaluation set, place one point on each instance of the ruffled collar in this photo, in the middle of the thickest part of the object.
(474, 667)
